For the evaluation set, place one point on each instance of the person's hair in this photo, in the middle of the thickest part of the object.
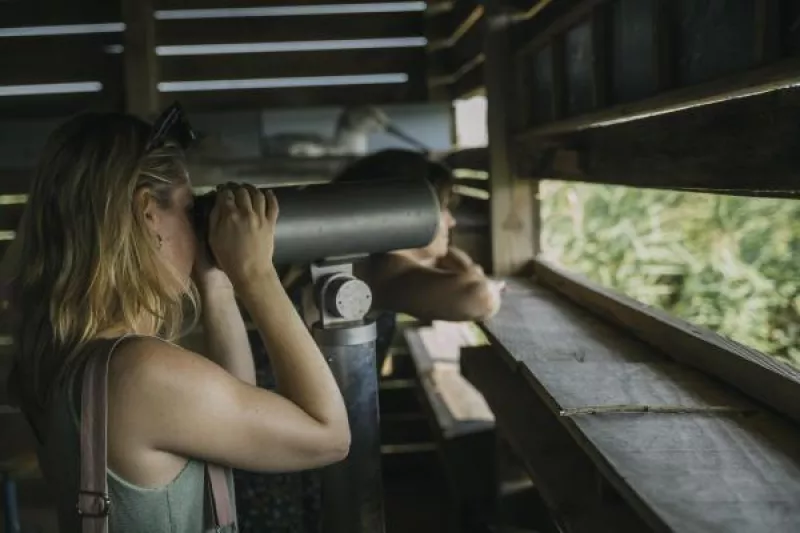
(396, 163)
(89, 264)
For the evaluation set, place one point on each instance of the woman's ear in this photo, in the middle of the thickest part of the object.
(145, 204)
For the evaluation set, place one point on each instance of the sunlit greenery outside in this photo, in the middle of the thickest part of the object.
(731, 264)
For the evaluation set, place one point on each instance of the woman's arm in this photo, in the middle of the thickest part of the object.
(225, 335)
(399, 283)
(194, 408)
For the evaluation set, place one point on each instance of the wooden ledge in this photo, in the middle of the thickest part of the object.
(731, 472)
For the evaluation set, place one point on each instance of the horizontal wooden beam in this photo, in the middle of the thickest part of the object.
(294, 64)
(15, 180)
(10, 216)
(59, 106)
(289, 28)
(300, 97)
(759, 376)
(745, 146)
(26, 13)
(57, 59)
(775, 77)
(228, 4)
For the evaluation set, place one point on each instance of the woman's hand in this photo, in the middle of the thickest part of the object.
(242, 233)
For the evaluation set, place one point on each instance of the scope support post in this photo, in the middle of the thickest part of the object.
(352, 490)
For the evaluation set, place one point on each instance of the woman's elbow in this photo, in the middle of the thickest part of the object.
(334, 445)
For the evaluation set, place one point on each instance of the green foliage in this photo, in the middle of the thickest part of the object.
(731, 264)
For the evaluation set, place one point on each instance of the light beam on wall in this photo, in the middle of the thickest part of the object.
(280, 83)
(292, 46)
(288, 11)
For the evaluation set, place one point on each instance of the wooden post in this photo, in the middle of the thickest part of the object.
(514, 211)
(141, 63)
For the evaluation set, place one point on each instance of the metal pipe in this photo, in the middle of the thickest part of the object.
(352, 490)
(346, 219)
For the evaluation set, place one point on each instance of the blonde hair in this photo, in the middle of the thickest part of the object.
(89, 264)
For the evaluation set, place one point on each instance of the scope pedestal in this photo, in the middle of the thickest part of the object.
(352, 490)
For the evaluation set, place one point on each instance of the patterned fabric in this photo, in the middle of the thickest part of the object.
(288, 502)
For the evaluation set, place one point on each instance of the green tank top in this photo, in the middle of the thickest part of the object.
(181, 506)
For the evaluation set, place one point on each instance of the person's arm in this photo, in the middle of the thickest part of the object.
(403, 285)
(194, 408)
(224, 331)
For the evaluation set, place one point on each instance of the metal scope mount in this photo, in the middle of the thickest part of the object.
(352, 490)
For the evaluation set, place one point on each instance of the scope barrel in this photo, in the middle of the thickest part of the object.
(344, 219)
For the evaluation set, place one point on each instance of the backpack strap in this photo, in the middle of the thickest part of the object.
(94, 502)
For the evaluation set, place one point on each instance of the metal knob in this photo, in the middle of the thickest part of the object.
(346, 297)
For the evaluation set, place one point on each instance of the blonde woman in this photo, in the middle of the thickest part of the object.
(108, 261)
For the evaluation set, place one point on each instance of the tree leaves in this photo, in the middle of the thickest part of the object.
(728, 263)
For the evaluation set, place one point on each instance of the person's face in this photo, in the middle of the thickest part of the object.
(174, 230)
(441, 241)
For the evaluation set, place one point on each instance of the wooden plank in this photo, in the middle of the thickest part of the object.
(564, 476)
(56, 59)
(294, 64)
(601, 55)
(772, 78)
(299, 97)
(15, 180)
(512, 200)
(141, 64)
(758, 375)
(744, 146)
(228, 4)
(56, 105)
(768, 31)
(446, 28)
(714, 472)
(10, 216)
(468, 47)
(470, 81)
(580, 12)
(290, 28)
(27, 13)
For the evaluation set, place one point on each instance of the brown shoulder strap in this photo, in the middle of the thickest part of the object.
(94, 502)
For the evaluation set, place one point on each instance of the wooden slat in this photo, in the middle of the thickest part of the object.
(445, 29)
(758, 375)
(56, 59)
(513, 201)
(300, 96)
(713, 472)
(563, 475)
(291, 28)
(141, 64)
(471, 81)
(15, 180)
(54, 12)
(745, 146)
(10, 216)
(581, 11)
(468, 47)
(57, 105)
(216, 4)
(294, 64)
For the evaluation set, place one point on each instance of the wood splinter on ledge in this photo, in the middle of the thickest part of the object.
(666, 409)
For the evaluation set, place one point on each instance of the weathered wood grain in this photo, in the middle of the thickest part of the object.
(681, 472)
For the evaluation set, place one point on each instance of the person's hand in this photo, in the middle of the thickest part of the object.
(242, 233)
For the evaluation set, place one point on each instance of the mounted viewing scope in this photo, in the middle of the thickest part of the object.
(345, 219)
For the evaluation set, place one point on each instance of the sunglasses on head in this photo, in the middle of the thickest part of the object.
(171, 125)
